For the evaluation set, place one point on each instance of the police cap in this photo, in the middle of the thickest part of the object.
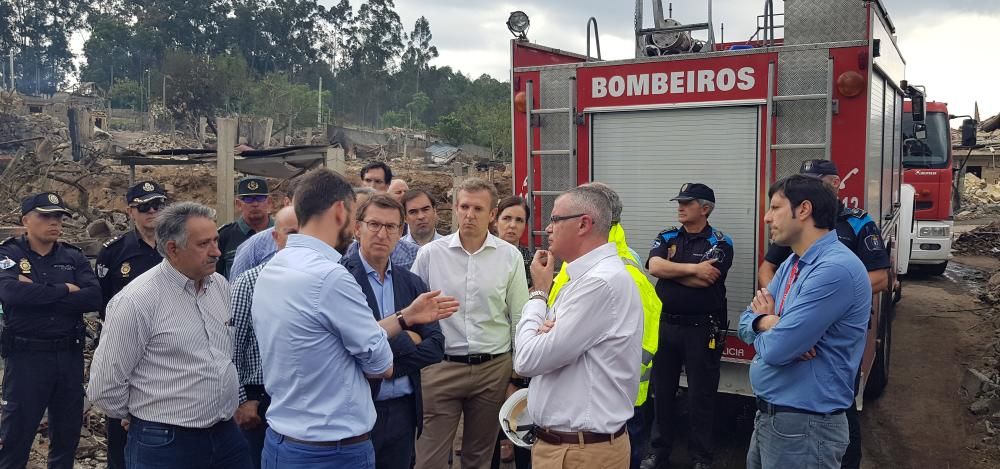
(143, 192)
(251, 185)
(45, 202)
(818, 168)
(694, 190)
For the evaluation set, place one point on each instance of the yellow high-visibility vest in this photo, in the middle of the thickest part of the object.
(651, 306)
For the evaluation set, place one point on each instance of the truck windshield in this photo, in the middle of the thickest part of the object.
(931, 152)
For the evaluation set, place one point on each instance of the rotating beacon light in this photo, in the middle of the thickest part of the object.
(518, 24)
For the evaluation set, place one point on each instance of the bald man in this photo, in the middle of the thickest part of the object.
(246, 354)
(397, 188)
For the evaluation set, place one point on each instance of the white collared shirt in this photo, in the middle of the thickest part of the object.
(585, 370)
(489, 285)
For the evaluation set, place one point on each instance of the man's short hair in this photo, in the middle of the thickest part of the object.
(318, 191)
(380, 201)
(375, 165)
(798, 188)
(616, 201)
(414, 193)
(171, 223)
(594, 202)
(474, 184)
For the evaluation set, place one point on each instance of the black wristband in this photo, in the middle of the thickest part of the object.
(402, 322)
(520, 382)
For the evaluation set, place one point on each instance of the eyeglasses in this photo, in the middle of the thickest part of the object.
(250, 199)
(151, 206)
(374, 227)
(559, 218)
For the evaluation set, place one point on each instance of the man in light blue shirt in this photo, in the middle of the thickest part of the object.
(808, 328)
(318, 339)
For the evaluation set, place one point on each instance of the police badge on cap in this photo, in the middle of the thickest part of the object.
(45, 202)
(251, 185)
(144, 191)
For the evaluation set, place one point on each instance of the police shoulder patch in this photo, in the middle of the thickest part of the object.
(8, 240)
(227, 226)
(665, 235)
(113, 240)
(854, 212)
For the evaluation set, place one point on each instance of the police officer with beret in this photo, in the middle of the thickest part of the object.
(857, 231)
(253, 201)
(691, 263)
(120, 261)
(45, 286)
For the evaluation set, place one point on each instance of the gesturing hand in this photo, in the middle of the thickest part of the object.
(542, 270)
(429, 307)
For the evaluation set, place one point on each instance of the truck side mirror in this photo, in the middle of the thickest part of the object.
(920, 131)
(969, 132)
(919, 109)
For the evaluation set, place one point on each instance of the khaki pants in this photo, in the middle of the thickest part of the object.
(608, 455)
(452, 389)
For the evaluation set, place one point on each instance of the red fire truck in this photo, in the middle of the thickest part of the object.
(735, 116)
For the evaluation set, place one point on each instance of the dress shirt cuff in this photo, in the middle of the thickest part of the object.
(243, 395)
(251, 392)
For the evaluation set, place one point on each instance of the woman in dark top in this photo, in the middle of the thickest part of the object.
(512, 218)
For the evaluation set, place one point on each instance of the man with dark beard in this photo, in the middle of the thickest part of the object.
(318, 339)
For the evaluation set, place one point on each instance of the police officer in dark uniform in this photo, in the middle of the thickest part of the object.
(691, 263)
(45, 286)
(861, 235)
(120, 261)
(253, 201)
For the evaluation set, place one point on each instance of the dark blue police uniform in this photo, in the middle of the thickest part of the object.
(42, 342)
(121, 260)
(690, 326)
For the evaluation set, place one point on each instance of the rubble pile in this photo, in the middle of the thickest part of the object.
(979, 198)
(163, 141)
(982, 241)
(982, 387)
(33, 133)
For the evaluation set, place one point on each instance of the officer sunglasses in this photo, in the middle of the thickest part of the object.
(250, 199)
(151, 206)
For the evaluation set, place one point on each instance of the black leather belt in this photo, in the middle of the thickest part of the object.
(770, 409)
(474, 359)
(686, 320)
(553, 437)
(345, 442)
(23, 344)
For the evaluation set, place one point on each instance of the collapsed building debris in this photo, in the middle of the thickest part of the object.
(979, 198)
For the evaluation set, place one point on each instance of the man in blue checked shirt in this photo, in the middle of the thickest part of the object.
(246, 354)
(808, 328)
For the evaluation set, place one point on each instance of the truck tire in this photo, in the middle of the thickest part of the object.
(937, 269)
(879, 377)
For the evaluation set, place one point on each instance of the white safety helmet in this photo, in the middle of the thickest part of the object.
(514, 419)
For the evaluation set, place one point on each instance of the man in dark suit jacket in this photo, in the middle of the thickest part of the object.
(388, 289)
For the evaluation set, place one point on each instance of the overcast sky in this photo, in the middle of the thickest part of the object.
(950, 49)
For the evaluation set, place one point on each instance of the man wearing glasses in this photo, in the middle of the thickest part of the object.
(45, 286)
(253, 201)
(120, 261)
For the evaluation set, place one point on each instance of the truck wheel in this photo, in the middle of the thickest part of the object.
(937, 269)
(880, 368)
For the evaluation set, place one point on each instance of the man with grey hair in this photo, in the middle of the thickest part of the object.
(164, 365)
(582, 352)
(691, 263)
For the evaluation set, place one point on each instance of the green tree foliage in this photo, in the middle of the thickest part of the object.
(38, 32)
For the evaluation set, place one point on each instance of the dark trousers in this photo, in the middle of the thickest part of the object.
(522, 456)
(35, 381)
(639, 428)
(395, 432)
(162, 446)
(852, 458)
(255, 440)
(117, 437)
(686, 347)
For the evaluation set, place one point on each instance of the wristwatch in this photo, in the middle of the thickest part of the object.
(539, 295)
(402, 322)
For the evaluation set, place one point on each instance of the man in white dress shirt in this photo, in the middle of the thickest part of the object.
(486, 275)
(583, 353)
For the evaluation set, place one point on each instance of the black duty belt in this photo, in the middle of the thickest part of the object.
(345, 442)
(24, 344)
(686, 320)
(474, 359)
(553, 437)
(770, 409)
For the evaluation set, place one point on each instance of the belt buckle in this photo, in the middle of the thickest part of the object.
(476, 359)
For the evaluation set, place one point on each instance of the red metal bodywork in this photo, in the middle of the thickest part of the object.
(933, 185)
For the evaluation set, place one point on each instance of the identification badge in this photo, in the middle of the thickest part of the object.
(25, 266)
(126, 268)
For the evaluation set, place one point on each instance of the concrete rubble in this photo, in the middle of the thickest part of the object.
(979, 198)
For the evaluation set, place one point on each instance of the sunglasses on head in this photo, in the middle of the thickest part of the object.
(249, 199)
(151, 206)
